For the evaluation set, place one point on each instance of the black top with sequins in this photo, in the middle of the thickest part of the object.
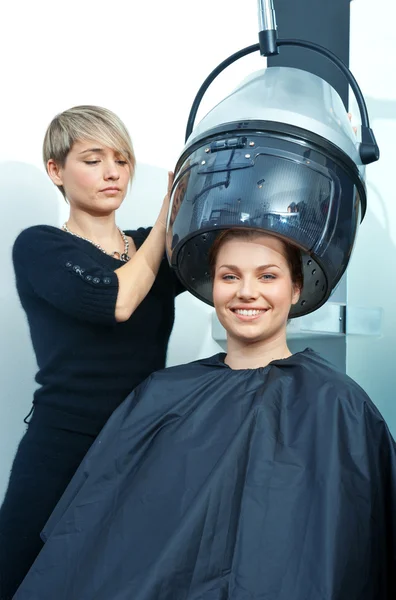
(88, 363)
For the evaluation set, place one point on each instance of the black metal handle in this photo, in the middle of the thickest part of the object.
(369, 151)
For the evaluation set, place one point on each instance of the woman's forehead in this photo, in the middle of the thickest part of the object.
(250, 255)
(254, 247)
(85, 146)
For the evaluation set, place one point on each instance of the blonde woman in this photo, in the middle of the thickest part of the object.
(100, 306)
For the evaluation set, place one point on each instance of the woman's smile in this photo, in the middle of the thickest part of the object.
(248, 314)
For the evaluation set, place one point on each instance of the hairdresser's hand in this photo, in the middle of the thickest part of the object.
(161, 220)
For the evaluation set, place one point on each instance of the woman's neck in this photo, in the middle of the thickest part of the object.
(101, 230)
(243, 355)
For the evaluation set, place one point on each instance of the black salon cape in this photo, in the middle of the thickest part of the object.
(209, 483)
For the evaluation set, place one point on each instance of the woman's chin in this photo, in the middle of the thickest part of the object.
(250, 337)
(104, 209)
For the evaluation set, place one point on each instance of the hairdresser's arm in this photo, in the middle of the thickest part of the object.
(137, 276)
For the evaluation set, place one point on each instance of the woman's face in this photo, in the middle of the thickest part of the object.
(95, 178)
(252, 289)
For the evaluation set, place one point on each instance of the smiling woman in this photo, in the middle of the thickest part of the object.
(100, 307)
(255, 474)
(256, 279)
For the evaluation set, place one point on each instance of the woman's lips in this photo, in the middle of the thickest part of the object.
(110, 191)
(248, 314)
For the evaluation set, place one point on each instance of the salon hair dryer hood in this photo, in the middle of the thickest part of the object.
(280, 155)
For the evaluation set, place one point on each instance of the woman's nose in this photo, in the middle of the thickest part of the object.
(111, 170)
(247, 290)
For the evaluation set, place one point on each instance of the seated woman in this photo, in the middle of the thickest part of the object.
(255, 474)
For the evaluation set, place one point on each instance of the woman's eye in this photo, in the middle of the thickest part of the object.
(229, 277)
(268, 277)
(91, 162)
(122, 162)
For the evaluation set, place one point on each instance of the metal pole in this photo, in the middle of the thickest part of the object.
(267, 28)
(266, 14)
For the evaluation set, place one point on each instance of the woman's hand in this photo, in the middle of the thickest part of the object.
(350, 118)
(162, 217)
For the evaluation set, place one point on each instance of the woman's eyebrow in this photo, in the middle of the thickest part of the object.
(263, 267)
(259, 268)
(91, 150)
(230, 267)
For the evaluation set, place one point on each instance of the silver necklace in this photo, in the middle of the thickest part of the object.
(124, 257)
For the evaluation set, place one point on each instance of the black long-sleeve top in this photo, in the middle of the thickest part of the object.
(87, 362)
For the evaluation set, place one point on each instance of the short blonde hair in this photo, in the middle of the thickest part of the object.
(86, 123)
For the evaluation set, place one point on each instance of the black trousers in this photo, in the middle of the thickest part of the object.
(46, 460)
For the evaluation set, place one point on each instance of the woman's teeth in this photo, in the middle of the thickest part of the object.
(248, 313)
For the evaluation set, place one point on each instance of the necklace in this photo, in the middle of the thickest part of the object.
(124, 257)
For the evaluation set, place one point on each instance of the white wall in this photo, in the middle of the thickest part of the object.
(372, 270)
(146, 61)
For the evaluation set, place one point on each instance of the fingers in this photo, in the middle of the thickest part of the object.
(350, 118)
(171, 177)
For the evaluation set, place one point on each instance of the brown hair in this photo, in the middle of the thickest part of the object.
(291, 253)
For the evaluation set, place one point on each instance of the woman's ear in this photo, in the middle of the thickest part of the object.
(296, 294)
(55, 172)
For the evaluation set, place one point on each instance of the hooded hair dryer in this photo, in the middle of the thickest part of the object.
(280, 155)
